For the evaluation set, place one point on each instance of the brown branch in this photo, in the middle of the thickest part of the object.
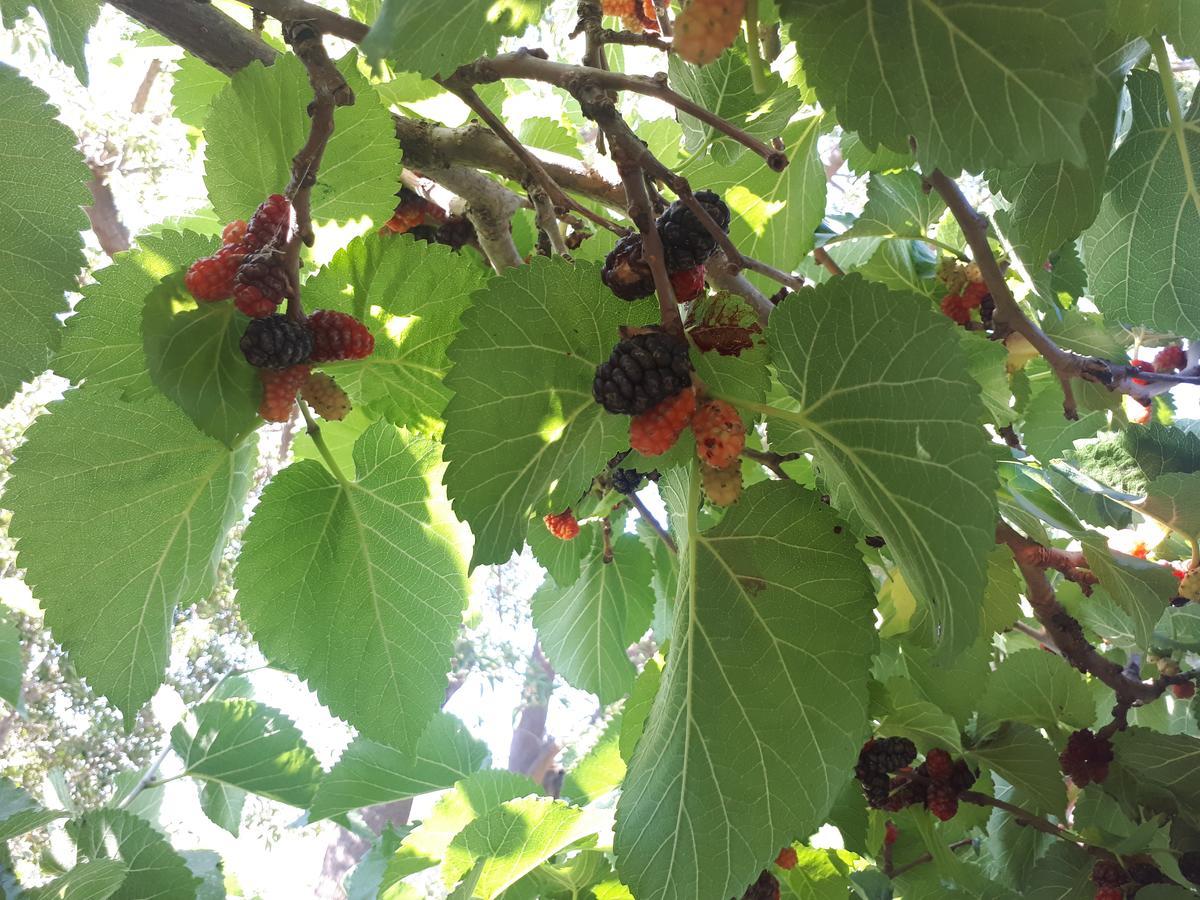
(426, 144)
(591, 25)
(321, 19)
(772, 461)
(652, 247)
(489, 206)
(1071, 564)
(329, 92)
(1024, 816)
(1065, 633)
(821, 255)
(584, 83)
(106, 221)
(724, 280)
(466, 93)
(919, 861)
(1009, 317)
(201, 29)
(606, 531)
(142, 96)
(662, 533)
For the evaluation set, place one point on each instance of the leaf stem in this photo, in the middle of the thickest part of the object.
(318, 439)
(757, 68)
(1163, 61)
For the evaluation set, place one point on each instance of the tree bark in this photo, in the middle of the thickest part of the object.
(201, 29)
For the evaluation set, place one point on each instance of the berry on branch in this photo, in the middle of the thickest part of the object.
(1086, 757)
(765, 888)
(1170, 359)
(938, 765)
(280, 387)
(656, 430)
(720, 434)
(723, 487)
(625, 272)
(563, 525)
(1108, 873)
(686, 242)
(1184, 690)
(787, 858)
(642, 371)
(338, 335)
(706, 28)
(941, 799)
(326, 398)
(276, 342)
(877, 758)
(212, 278)
(234, 232)
(688, 284)
(271, 223)
(261, 283)
(626, 481)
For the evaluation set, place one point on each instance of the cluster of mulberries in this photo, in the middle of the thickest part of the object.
(249, 268)
(965, 291)
(889, 783)
(1086, 757)
(649, 377)
(706, 28)
(877, 760)
(687, 246)
(635, 15)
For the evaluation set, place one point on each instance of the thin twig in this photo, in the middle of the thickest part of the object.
(547, 220)
(923, 859)
(606, 531)
(821, 255)
(1041, 637)
(1024, 816)
(772, 461)
(466, 93)
(583, 80)
(662, 533)
(652, 246)
(1065, 632)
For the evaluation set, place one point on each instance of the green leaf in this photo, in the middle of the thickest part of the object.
(370, 773)
(986, 362)
(1012, 849)
(1178, 19)
(546, 133)
(600, 770)
(1047, 432)
(103, 340)
(512, 840)
(862, 160)
(360, 167)
(154, 868)
(363, 602)
(193, 357)
(246, 745)
(734, 358)
(365, 881)
(223, 803)
(1064, 873)
(19, 813)
(586, 628)
(1026, 760)
(148, 501)
(1138, 266)
(1166, 761)
(898, 206)
(208, 866)
(12, 666)
(67, 22)
(95, 880)
(1035, 687)
(1132, 459)
(820, 874)
(720, 780)
(410, 294)
(471, 798)
(434, 40)
(195, 87)
(1141, 588)
(637, 707)
(919, 720)
(882, 389)
(726, 88)
(952, 685)
(975, 84)
(1055, 201)
(1174, 500)
(41, 251)
(523, 435)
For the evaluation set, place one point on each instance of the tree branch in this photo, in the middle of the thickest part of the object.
(323, 20)
(1009, 316)
(490, 207)
(723, 279)
(201, 29)
(106, 221)
(1064, 632)
(582, 81)
(662, 533)
(772, 461)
